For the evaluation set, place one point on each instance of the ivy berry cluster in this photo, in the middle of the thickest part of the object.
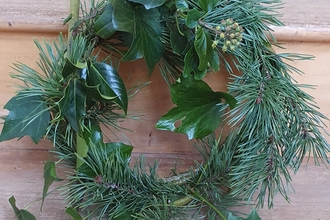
(230, 33)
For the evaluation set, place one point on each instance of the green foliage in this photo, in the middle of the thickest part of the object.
(192, 18)
(106, 149)
(72, 106)
(109, 84)
(253, 216)
(104, 27)
(274, 124)
(149, 4)
(67, 91)
(199, 109)
(73, 213)
(49, 177)
(21, 214)
(206, 54)
(32, 119)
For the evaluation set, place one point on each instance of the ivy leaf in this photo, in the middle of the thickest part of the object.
(73, 104)
(199, 109)
(123, 16)
(73, 213)
(29, 115)
(191, 61)
(110, 85)
(103, 25)
(49, 177)
(207, 5)
(253, 216)
(203, 46)
(178, 42)
(192, 18)
(149, 3)
(181, 5)
(146, 29)
(146, 42)
(21, 214)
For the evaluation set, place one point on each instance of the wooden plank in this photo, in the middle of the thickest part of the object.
(23, 178)
(305, 21)
(21, 163)
(33, 15)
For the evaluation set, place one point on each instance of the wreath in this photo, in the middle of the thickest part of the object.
(77, 92)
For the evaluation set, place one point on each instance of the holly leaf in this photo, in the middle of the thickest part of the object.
(73, 104)
(28, 115)
(103, 25)
(206, 54)
(109, 83)
(70, 68)
(149, 3)
(199, 110)
(192, 18)
(21, 214)
(146, 42)
(49, 177)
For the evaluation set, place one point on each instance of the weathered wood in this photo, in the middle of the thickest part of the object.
(305, 21)
(21, 163)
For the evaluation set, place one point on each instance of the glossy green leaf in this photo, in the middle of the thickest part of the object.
(103, 25)
(73, 213)
(21, 214)
(253, 216)
(27, 116)
(110, 85)
(192, 18)
(70, 68)
(178, 42)
(123, 17)
(191, 62)
(146, 42)
(146, 29)
(181, 5)
(49, 177)
(73, 104)
(207, 5)
(149, 3)
(204, 50)
(199, 110)
(92, 132)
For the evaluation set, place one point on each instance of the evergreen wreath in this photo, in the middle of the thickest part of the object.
(274, 124)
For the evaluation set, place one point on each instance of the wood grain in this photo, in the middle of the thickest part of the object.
(21, 162)
(305, 21)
